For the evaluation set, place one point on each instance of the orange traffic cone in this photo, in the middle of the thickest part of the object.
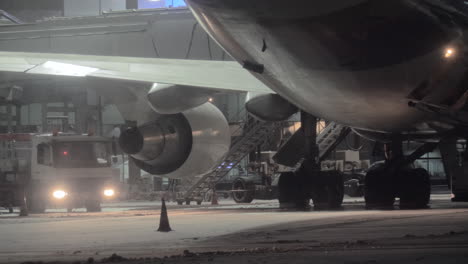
(214, 198)
(164, 220)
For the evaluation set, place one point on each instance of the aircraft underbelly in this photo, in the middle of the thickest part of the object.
(369, 99)
(361, 81)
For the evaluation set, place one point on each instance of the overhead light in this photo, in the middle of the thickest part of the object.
(63, 69)
(449, 52)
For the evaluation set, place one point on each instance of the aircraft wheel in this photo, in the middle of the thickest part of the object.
(335, 186)
(415, 189)
(290, 193)
(328, 190)
(378, 189)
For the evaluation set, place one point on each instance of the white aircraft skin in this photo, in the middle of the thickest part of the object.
(355, 62)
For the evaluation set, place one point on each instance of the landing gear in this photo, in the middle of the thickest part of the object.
(325, 188)
(414, 189)
(395, 178)
(290, 195)
(378, 188)
(455, 165)
(328, 190)
(383, 183)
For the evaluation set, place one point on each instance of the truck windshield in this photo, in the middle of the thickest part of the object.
(81, 155)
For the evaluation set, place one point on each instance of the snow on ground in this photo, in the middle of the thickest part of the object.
(78, 236)
(223, 204)
(128, 228)
(41, 236)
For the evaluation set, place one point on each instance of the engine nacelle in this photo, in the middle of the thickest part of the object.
(179, 145)
(269, 107)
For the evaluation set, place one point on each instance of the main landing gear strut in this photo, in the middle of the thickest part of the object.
(396, 178)
(325, 188)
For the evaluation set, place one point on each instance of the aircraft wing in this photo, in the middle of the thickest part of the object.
(219, 76)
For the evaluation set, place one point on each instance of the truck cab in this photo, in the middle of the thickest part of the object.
(72, 171)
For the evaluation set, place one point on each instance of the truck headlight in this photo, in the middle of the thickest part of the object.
(109, 192)
(59, 194)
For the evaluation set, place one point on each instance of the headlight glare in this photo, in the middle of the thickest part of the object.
(109, 192)
(59, 194)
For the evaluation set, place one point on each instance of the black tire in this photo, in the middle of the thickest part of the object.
(10, 210)
(353, 188)
(180, 202)
(287, 189)
(379, 191)
(242, 191)
(335, 186)
(328, 190)
(23, 211)
(290, 192)
(36, 206)
(35, 200)
(93, 206)
(414, 189)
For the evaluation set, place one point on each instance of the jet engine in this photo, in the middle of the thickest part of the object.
(179, 145)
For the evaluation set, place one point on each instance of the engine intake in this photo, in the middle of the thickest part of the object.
(179, 145)
(159, 147)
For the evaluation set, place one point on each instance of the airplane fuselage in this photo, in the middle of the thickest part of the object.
(356, 62)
